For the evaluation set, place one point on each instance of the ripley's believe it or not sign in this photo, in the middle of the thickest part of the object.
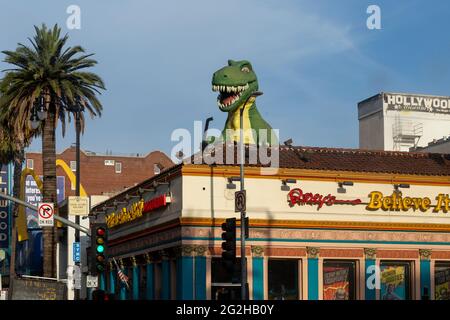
(408, 102)
(377, 201)
(136, 210)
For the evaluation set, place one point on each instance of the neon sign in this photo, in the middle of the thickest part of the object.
(396, 202)
(297, 196)
(136, 210)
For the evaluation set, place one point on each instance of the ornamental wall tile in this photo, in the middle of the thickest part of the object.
(339, 235)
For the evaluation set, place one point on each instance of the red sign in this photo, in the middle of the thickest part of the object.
(155, 203)
(296, 196)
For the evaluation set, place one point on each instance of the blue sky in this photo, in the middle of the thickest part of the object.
(314, 60)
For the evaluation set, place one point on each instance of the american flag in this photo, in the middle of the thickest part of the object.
(122, 276)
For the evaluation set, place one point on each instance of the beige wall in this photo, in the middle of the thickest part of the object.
(207, 197)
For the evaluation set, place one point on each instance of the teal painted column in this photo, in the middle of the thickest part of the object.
(136, 273)
(165, 290)
(258, 274)
(185, 274)
(150, 285)
(370, 272)
(200, 276)
(425, 273)
(313, 273)
(101, 281)
(112, 281)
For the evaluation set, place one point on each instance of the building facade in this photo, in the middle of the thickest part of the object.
(398, 121)
(101, 177)
(327, 224)
(104, 174)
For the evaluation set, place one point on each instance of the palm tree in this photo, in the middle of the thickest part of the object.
(51, 70)
(12, 150)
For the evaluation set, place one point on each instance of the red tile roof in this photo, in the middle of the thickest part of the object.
(356, 160)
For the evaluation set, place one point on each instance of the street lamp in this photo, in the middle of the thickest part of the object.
(244, 283)
(38, 114)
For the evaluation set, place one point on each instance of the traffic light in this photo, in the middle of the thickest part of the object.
(229, 245)
(98, 248)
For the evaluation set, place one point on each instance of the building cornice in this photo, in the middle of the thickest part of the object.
(338, 225)
(317, 175)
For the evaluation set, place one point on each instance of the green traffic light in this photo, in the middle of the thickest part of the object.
(100, 248)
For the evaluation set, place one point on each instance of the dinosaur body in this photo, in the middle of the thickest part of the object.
(236, 83)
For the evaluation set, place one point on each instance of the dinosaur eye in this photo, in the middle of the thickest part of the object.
(245, 69)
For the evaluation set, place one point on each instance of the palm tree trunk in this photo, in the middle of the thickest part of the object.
(49, 186)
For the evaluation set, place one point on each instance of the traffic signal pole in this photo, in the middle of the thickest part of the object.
(77, 187)
(244, 284)
(35, 208)
(241, 173)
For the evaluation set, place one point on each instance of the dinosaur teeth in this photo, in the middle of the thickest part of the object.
(230, 89)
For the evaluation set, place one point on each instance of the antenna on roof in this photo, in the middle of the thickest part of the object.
(205, 141)
(288, 142)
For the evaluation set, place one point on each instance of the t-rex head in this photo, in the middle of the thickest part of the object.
(235, 83)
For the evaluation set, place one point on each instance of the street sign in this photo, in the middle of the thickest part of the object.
(91, 281)
(240, 201)
(76, 252)
(46, 214)
(78, 206)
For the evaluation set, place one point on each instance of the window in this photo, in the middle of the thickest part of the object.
(109, 162)
(225, 286)
(143, 282)
(283, 279)
(442, 281)
(156, 169)
(118, 167)
(339, 280)
(30, 164)
(395, 280)
(158, 280)
(73, 166)
(130, 274)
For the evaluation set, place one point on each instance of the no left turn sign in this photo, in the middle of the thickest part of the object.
(45, 213)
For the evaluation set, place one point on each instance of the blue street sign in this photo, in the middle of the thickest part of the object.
(76, 252)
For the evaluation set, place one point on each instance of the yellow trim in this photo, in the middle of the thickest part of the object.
(318, 175)
(301, 224)
(70, 175)
(21, 221)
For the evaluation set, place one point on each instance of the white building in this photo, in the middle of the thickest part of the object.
(398, 122)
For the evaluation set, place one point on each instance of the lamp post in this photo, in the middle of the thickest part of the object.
(244, 283)
(39, 113)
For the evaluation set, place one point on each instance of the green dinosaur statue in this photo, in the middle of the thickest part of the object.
(236, 83)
